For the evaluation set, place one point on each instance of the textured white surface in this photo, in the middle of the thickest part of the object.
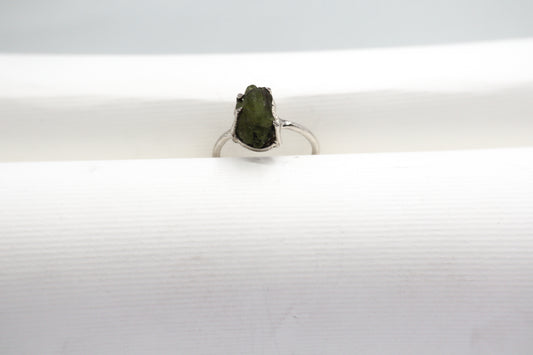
(476, 95)
(405, 253)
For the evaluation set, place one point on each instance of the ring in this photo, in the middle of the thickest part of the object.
(257, 126)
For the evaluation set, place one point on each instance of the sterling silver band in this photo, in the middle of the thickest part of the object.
(228, 135)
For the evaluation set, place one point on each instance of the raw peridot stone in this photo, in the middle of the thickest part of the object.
(255, 122)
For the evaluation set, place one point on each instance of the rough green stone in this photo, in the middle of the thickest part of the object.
(255, 122)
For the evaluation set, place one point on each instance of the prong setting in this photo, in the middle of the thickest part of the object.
(274, 137)
(276, 123)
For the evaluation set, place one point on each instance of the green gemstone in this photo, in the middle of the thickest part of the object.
(255, 121)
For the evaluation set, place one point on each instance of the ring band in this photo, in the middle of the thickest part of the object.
(256, 125)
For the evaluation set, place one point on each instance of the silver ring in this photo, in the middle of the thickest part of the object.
(257, 126)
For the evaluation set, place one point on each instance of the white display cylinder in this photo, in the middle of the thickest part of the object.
(406, 253)
(447, 97)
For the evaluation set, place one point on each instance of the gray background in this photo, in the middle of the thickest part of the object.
(193, 26)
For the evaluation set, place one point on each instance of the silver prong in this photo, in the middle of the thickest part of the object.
(274, 109)
(236, 112)
(239, 96)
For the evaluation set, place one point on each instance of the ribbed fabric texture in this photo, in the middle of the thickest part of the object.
(406, 253)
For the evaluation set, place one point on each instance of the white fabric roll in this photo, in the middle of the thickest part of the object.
(405, 253)
(61, 107)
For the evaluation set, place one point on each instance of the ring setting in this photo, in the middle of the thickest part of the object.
(257, 126)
